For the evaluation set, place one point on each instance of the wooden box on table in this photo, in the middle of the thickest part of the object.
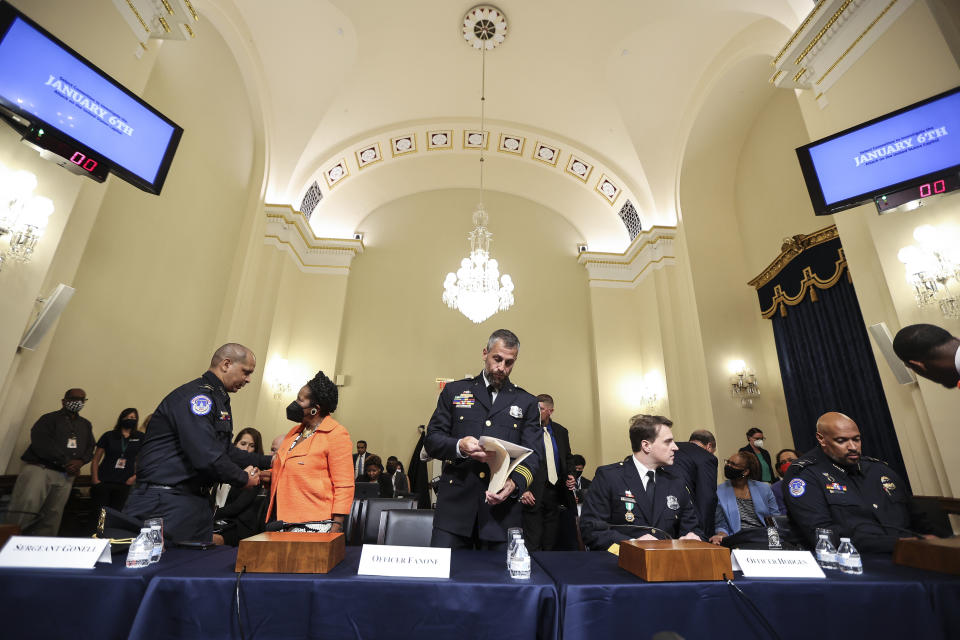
(675, 560)
(289, 552)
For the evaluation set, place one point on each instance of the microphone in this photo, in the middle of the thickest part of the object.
(654, 530)
(280, 525)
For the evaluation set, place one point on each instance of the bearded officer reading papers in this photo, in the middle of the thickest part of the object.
(470, 514)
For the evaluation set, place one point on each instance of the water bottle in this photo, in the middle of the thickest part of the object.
(140, 550)
(520, 563)
(156, 537)
(849, 558)
(773, 539)
(513, 534)
(826, 553)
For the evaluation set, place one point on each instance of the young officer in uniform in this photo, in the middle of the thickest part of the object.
(467, 515)
(640, 497)
(188, 450)
(835, 487)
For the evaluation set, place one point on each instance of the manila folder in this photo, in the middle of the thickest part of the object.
(506, 457)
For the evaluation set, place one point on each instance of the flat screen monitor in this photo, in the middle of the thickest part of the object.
(899, 150)
(46, 83)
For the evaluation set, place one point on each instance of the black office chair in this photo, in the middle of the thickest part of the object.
(406, 527)
(350, 524)
(370, 515)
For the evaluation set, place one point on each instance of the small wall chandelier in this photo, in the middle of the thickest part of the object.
(744, 386)
(23, 216)
(932, 267)
(477, 290)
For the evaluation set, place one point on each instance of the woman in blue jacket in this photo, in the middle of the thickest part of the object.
(742, 502)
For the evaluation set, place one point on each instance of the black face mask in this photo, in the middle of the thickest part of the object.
(732, 473)
(128, 423)
(294, 412)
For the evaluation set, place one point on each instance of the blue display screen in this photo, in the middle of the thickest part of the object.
(894, 149)
(39, 77)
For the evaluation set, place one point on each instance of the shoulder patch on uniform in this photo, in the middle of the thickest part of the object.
(200, 405)
(797, 487)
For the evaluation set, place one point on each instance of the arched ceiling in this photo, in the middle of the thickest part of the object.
(617, 80)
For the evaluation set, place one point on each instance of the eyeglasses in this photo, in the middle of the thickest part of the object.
(728, 463)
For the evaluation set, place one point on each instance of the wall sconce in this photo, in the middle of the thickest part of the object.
(932, 266)
(278, 377)
(644, 392)
(743, 383)
(23, 216)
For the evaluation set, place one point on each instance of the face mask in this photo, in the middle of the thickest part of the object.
(294, 412)
(128, 423)
(758, 443)
(73, 406)
(783, 467)
(731, 473)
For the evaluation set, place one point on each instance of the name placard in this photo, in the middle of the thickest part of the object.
(54, 553)
(409, 562)
(776, 564)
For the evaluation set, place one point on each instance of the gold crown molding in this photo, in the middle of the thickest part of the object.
(288, 230)
(857, 41)
(808, 284)
(836, 16)
(790, 249)
(803, 25)
(652, 249)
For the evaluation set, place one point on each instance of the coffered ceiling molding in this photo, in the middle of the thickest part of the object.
(289, 231)
(650, 250)
(829, 40)
(602, 185)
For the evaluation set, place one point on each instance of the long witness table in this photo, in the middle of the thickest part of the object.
(480, 600)
(600, 600)
(98, 603)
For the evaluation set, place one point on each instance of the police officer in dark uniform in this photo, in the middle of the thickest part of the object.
(835, 487)
(468, 515)
(640, 497)
(188, 451)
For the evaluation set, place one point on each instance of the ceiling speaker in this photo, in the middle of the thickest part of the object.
(52, 307)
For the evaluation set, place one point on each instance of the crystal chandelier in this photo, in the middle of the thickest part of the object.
(743, 384)
(23, 216)
(477, 290)
(932, 266)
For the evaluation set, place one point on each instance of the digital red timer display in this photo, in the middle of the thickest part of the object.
(937, 187)
(81, 161)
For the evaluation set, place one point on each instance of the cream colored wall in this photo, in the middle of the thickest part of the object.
(899, 69)
(398, 336)
(151, 281)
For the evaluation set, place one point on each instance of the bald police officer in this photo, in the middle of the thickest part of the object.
(835, 487)
(187, 450)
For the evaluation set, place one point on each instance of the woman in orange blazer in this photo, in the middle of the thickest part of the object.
(312, 476)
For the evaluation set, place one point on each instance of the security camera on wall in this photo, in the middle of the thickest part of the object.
(52, 307)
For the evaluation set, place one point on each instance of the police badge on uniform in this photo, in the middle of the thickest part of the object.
(516, 411)
(888, 485)
(673, 503)
(200, 405)
(797, 487)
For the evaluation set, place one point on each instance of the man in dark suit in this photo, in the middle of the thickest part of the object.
(468, 515)
(581, 483)
(696, 463)
(360, 459)
(546, 502)
(931, 352)
(640, 497)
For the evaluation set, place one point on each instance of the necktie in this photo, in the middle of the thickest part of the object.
(359, 465)
(651, 485)
(548, 451)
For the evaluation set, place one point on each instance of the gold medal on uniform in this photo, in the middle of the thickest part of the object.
(629, 517)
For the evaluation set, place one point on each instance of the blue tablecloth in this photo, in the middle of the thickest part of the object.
(480, 600)
(99, 603)
(600, 600)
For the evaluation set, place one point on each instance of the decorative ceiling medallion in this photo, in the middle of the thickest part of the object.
(511, 144)
(579, 168)
(440, 139)
(484, 27)
(473, 139)
(336, 173)
(369, 155)
(607, 189)
(547, 154)
(403, 144)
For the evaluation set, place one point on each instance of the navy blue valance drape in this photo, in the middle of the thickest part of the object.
(826, 362)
